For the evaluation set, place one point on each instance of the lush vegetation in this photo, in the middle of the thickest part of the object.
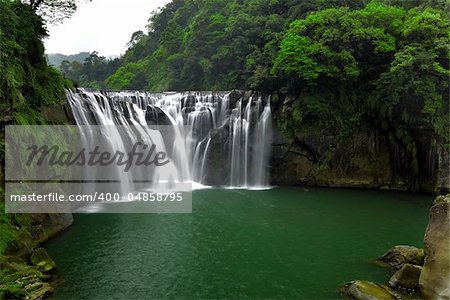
(26, 81)
(220, 45)
(27, 84)
(91, 72)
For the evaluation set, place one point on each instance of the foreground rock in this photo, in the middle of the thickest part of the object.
(435, 277)
(21, 281)
(407, 278)
(42, 261)
(400, 255)
(366, 290)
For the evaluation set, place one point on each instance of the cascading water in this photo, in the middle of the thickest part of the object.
(227, 143)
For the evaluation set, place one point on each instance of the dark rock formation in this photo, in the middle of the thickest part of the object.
(364, 160)
(407, 278)
(397, 256)
(308, 160)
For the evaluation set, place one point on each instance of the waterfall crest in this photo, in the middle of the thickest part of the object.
(219, 139)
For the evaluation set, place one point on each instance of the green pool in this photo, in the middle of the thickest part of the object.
(287, 242)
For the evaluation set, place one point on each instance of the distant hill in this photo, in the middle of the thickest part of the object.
(56, 59)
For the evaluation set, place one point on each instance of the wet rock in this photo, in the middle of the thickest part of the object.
(155, 116)
(43, 292)
(235, 96)
(42, 260)
(188, 101)
(435, 277)
(366, 290)
(406, 278)
(217, 166)
(34, 286)
(397, 256)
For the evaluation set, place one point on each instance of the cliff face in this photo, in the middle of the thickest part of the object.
(363, 155)
(364, 160)
(306, 159)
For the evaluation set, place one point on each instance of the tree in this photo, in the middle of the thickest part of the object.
(26, 80)
(53, 11)
(135, 38)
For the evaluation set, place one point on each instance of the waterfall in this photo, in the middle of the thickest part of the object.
(213, 139)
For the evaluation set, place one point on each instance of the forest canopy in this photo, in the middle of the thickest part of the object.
(387, 59)
(26, 81)
(221, 45)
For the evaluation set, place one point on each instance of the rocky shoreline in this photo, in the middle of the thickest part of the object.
(27, 270)
(419, 273)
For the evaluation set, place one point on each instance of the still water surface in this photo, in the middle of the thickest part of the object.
(287, 242)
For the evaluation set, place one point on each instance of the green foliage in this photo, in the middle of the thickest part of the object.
(26, 84)
(26, 78)
(92, 72)
(127, 77)
(12, 227)
(338, 43)
(214, 45)
(52, 11)
(389, 62)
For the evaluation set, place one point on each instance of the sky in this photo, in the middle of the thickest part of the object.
(105, 26)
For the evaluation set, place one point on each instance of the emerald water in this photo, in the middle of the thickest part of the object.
(287, 242)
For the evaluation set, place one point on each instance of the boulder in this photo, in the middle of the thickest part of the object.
(406, 278)
(435, 277)
(397, 256)
(42, 260)
(43, 291)
(366, 290)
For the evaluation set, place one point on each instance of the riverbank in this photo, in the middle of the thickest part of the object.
(26, 268)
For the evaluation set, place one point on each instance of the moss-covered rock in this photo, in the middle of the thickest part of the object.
(406, 278)
(366, 290)
(397, 256)
(441, 199)
(42, 260)
(39, 290)
(21, 281)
